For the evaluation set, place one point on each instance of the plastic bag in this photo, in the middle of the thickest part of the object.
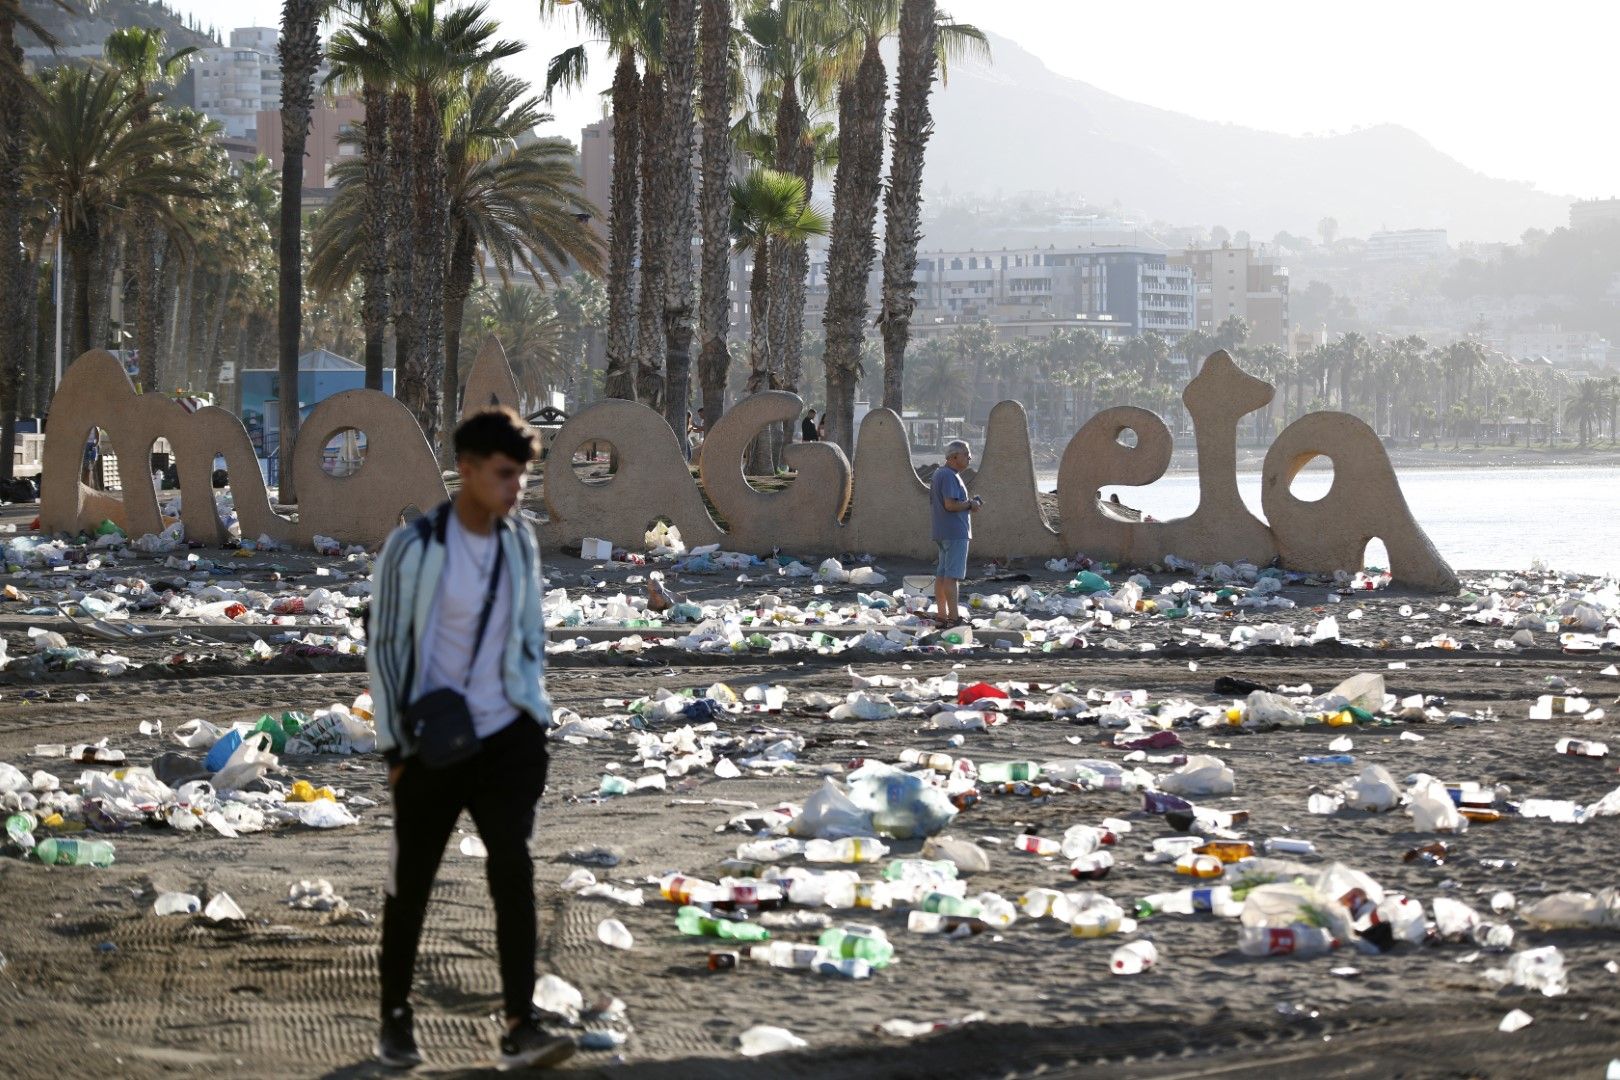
(247, 763)
(830, 814)
(1202, 775)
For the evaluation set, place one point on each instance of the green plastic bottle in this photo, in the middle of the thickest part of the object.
(20, 829)
(59, 852)
(946, 904)
(695, 923)
(858, 942)
(1000, 772)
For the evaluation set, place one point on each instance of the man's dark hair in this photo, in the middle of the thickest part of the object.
(497, 430)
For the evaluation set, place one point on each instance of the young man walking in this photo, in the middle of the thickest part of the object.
(456, 662)
(952, 513)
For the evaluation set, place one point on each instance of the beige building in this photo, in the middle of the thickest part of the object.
(326, 123)
(1590, 213)
(1240, 281)
(596, 169)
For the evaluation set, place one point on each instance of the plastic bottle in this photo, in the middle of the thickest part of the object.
(928, 922)
(1041, 903)
(835, 889)
(851, 849)
(614, 785)
(1282, 845)
(1328, 759)
(945, 904)
(20, 829)
(1133, 958)
(928, 759)
(1227, 851)
(1170, 848)
(1001, 772)
(680, 889)
(1582, 748)
(787, 954)
(866, 942)
(1200, 866)
(1036, 845)
(1081, 840)
(1096, 921)
(873, 896)
(1093, 867)
(694, 923)
(1217, 900)
(1297, 939)
(731, 895)
(773, 850)
(59, 852)
(848, 967)
(999, 912)
(920, 870)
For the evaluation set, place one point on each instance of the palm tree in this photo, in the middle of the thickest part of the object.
(510, 204)
(767, 208)
(920, 38)
(19, 100)
(1586, 407)
(714, 305)
(531, 333)
(353, 63)
(521, 205)
(680, 67)
(84, 161)
(629, 29)
(299, 51)
(942, 379)
(137, 52)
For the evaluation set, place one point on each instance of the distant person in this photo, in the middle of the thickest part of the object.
(808, 432)
(456, 664)
(92, 457)
(821, 428)
(952, 513)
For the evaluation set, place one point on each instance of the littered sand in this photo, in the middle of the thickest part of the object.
(93, 983)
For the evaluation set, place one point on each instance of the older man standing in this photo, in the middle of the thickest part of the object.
(952, 513)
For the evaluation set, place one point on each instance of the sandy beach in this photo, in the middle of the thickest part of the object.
(93, 981)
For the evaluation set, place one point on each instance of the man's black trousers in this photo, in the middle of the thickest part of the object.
(499, 788)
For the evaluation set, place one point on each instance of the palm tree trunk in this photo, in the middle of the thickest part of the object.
(13, 264)
(109, 260)
(789, 129)
(400, 246)
(714, 316)
(212, 357)
(463, 264)
(300, 53)
(374, 268)
(852, 245)
(656, 209)
(427, 261)
(81, 249)
(619, 379)
(760, 459)
(148, 299)
(680, 56)
(902, 209)
(790, 358)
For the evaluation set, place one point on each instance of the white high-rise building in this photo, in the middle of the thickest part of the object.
(234, 83)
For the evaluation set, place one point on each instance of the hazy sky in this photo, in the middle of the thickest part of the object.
(1515, 91)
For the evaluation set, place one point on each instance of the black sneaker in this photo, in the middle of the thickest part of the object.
(530, 1046)
(396, 1040)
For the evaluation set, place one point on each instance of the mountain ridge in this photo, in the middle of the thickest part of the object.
(1174, 167)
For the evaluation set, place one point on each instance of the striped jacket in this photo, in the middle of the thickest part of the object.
(404, 582)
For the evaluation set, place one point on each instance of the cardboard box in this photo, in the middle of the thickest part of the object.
(592, 548)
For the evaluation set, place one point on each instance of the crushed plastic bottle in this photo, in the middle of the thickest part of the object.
(1133, 958)
(59, 852)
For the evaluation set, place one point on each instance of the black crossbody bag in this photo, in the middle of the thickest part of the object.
(440, 721)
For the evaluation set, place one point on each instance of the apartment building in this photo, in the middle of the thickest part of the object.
(238, 83)
(1413, 244)
(1244, 282)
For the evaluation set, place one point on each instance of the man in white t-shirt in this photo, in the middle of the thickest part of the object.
(456, 607)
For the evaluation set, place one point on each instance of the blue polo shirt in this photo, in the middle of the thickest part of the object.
(949, 524)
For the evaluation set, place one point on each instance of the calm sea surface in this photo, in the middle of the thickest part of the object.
(1499, 519)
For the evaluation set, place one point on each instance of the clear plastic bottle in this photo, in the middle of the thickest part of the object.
(1098, 920)
(1041, 903)
(1200, 866)
(787, 954)
(1000, 772)
(1036, 845)
(928, 759)
(1217, 900)
(59, 852)
(1284, 845)
(772, 850)
(1081, 840)
(680, 889)
(928, 922)
(732, 894)
(1297, 939)
(1582, 748)
(851, 849)
(998, 911)
(1092, 867)
(847, 967)
(1133, 958)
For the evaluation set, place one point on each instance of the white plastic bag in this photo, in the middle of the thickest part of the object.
(830, 814)
(1202, 775)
